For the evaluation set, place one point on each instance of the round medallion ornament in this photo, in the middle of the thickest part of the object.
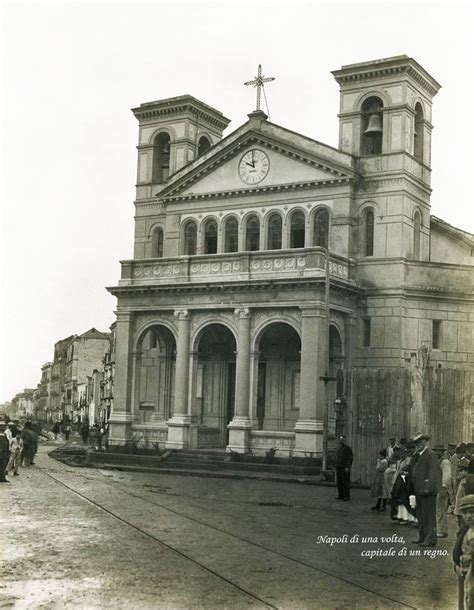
(254, 166)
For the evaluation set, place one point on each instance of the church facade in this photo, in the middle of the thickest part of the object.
(267, 265)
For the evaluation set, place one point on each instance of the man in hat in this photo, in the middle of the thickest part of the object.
(426, 483)
(344, 460)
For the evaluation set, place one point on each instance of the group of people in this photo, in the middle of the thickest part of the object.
(18, 447)
(423, 486)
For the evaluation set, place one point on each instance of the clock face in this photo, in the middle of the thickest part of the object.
(254, 166)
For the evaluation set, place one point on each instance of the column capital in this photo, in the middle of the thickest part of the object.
(313, 311)
(124, 316)
(182, 314)
(350, 319)
(242, 313)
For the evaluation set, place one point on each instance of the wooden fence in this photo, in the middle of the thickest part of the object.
(381, 407)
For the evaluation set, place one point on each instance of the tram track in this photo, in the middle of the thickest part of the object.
(117, 487)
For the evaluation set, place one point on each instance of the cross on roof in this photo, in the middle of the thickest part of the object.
(258, 82)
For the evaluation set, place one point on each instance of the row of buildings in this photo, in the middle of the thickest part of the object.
(76, 385)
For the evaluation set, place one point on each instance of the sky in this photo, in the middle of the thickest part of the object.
(71, 72)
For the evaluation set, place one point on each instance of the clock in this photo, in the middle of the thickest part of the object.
(254, 166)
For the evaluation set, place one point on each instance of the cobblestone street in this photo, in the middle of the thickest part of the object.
(86, 538)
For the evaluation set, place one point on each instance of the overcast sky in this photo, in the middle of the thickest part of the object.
(70, 74)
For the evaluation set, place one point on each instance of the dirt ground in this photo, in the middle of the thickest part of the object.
(87, 538)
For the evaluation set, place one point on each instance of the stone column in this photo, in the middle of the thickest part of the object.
(239, 427)
(120, 422)
(309, 427)
(179, 425)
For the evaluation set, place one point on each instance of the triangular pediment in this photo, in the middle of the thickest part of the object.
(289, 160)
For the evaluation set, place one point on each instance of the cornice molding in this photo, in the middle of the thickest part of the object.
(263, 189)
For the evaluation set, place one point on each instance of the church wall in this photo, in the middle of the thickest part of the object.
(400, 326)
(448, 249)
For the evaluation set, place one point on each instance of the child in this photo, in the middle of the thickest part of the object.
(376, 491)
(16, 447)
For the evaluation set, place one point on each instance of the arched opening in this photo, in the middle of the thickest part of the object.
(210, 237)
(321, 229)
(418, 134)
(190, 238)
(161, 157)
(278, 377)
(155, 375)
(214, 388)
(231, 241)
(371, 126)
(336, 389)
(297, 230)
(416, 235)
(274, 231)
(252, 236)
(368, 223)
(203, 145)
(157, 243)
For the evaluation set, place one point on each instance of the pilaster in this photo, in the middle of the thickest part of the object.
(239, 427)
(179, 426)
(309, 427)
(120, 421)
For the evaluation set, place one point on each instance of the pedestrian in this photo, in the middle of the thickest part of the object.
(344, 460)
(389, 477)
(426, 481)
(404, 513)
(67, 431)
(16, 447)
(442, 499)
(465, 487)
(392, 441)
(4, 453)
(56, 429)
(376, 490)
(85, 432)
(463, 554)
(28, 445)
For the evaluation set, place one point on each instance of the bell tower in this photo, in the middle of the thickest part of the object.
(385, 109)
(385, 122)
(172, 133)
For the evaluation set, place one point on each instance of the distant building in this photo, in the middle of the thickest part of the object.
(58, 378)
(24, 404)
(85, 354)
(43, 400)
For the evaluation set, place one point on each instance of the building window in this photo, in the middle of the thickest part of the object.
(157, 243)
(210, 237)
(203, 146)
(321, 229)
(416, 235)
(297, 230)
(372, 126)
(369, 233)
(161, 158)
(190, 238)
(231, 235)
(252, 241)
(274, 232)
(366, 332)
(418, 135)
(436, 341)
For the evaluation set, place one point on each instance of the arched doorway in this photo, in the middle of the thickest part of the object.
(278, 378)
(214, 388)
(155, 375)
